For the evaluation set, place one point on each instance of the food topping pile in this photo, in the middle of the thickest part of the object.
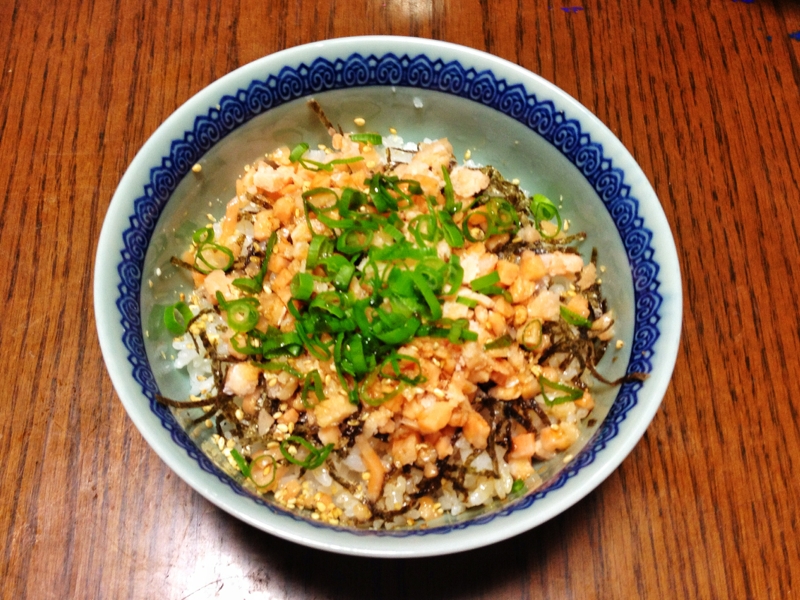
(381, 337)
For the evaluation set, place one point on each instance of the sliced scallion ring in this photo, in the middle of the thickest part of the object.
(177, 317)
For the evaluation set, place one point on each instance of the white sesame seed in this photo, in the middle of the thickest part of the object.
(467, 154)
(197, 167)
(359, 121)
(283, 427)
(515, 181)
(392, 130)
(620, 344)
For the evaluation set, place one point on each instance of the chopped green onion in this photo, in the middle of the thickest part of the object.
(247, 470)
(354, 240)
(302, 286)
(177, 317)
(316, 456)
(400, 335)
(532, 335)
(297, 152)
(256, 284)
(312, 381)
(467, 301)
(518, 486)
(278, 366)
(367, 138)
(242, 313)
(502, 342)
(243, 466)
(545, 210)
(487, 282)
(449, 195)
(574, 318)
(570, 393)
(428, 295)
(200, 257)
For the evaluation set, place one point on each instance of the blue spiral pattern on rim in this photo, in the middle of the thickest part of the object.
(540, 115)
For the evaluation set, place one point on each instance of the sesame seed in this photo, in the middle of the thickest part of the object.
(568, 458)
(365, 476)
(292, 450)
(291, 427)
(620, 344)
(321, 507)
(273, 382)
(555, 427)
(230, 443)
(209, 424)
(438, 393)
(315, 516)
(239, 414)
(211, 218)
(221, 443)
(272, 444)
(515, 181)
(297, 212)
(599, 280)
(392, 130)
(197, 167)
(158, 272)
(467, 154)
(370, 164)
(283, 427)
(359, 121)
(150, 282)
(602, 268)
(277, 415)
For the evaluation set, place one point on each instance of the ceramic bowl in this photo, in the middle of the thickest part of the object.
(499, 112)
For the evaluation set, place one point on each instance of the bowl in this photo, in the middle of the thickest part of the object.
(503, 115)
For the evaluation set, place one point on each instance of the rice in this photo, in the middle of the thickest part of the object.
(378, 344)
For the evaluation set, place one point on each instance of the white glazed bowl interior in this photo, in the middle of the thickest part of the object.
(505, 116)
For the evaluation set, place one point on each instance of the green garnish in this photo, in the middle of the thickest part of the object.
(204, 239)
(570, 393)
(532, 335)
(316, 456)
(255, 284)
(502, 342)
(296, 156)
(518, 486)
(574, 318)
(177, 317)
(467, 301)
(367, 138)
(242, 313)
(544, 210)
(247, 469)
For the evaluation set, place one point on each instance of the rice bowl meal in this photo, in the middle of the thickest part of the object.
(380, 337)
(400, 352)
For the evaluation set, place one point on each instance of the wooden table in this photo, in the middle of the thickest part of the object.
(706, 95)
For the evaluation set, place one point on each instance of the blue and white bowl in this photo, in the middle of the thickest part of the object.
(505, 116)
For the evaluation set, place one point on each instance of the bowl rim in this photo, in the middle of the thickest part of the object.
(502, 524)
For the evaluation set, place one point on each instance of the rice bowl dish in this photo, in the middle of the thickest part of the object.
(424, 89)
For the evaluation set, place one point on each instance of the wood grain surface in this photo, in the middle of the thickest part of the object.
(706, 95)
